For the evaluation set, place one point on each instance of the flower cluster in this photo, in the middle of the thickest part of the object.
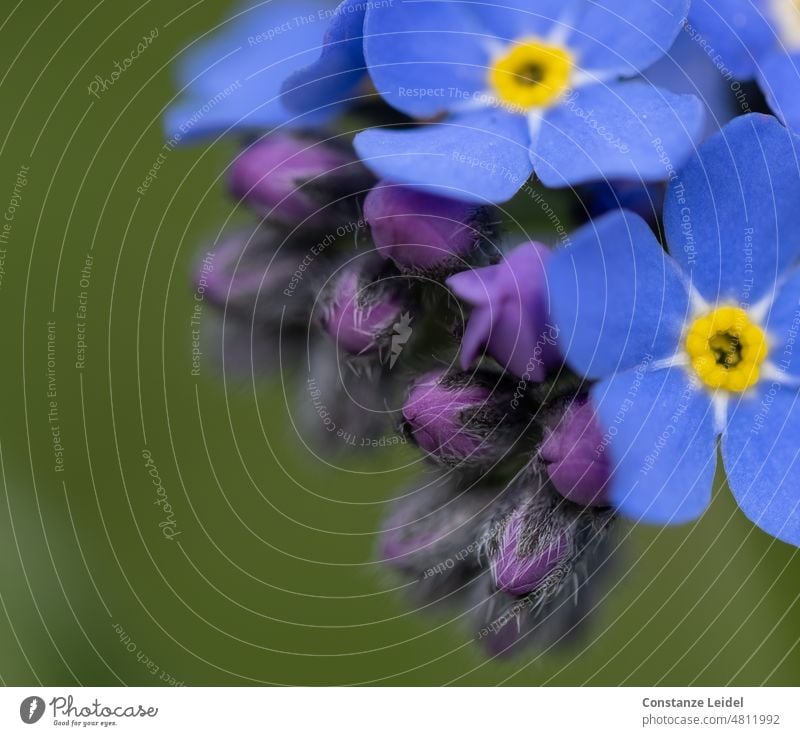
(540, 242)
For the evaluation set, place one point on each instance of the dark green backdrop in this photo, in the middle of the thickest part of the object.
(270, 579)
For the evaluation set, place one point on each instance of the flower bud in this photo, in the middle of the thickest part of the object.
(364, 316)
(510, 317)
(338, 411)
(245, 351)
(460, 419)
(430, 523)
(518, 570)
(247, 277)
(574, 454)
(432, 535)
(547, 557)
(424, 233)
(291, 180)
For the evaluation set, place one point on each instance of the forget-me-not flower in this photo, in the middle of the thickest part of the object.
(522, 86)
(700, 343)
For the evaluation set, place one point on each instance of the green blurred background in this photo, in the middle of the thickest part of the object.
(271, 578)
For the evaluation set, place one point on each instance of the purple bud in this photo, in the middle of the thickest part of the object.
(423, 233)
(505, 640)
(245, 275)
(460, 419)
(398, 543)
(510, 317)
(433, 535)
(290, 179)
(339, 411)
(519, 572)
(575, 457)
(539, 543)
(429, 523)
(363, 316)
(546, 557)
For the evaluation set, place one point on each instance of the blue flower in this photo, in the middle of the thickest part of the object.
(701, 344)
(230, 81)
(516, 88)
(755, 39)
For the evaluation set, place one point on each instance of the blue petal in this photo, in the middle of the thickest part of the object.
(731, 215)
(426, 57)
(334, 77)
(188, 122)
(478, 157)
(688, 69)
(628, 130)
(779, 79)
(782, 325)
(736, 32)
(623, 36)
(510, 20)
(617, 298)
(762, 459)
(232, 80)
(662, 443)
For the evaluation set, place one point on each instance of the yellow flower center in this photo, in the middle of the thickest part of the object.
(531, 74)
(786, 15)
(726, 349)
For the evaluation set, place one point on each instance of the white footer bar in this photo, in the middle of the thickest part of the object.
(400, 711)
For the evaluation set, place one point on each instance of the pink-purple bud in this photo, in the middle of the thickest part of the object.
(291, 180)
(519, 571)
(421, 232)
(430, 523)
(363, 316)
(459, 419)
(510, 313)
(546, 556)
(398, 543)
(244, 275)
(574, 454)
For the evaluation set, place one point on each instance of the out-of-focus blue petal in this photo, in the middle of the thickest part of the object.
(660, 433)
(782, 325)
(731, 215)
(478, 157)
(761, 451)
(617, 299)
(623, 36)
(187, 122)
(736, 32)
(427, 57)
(687, 69)
(334, 77)
(779, 79)
(232, 80)
(628, 130)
